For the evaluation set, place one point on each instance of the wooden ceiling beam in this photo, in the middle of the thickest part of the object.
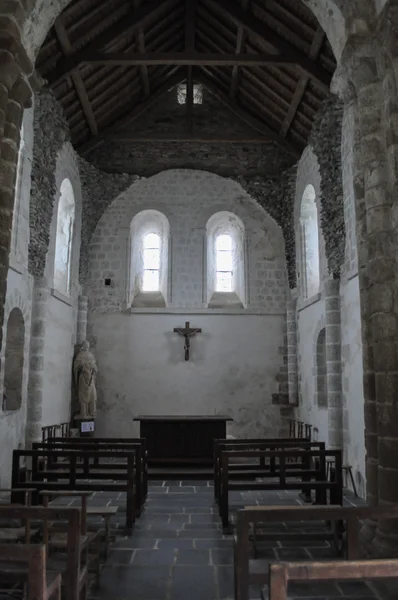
(137, 112)
(190, 27)
(187, 58)
(194, 139)
(81, 91)
(140, 41)
(245, 117)
(240, 43)
(263, 33)
(138, 19)
(316, 48)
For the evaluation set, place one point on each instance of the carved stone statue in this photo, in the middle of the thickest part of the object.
(85, 373)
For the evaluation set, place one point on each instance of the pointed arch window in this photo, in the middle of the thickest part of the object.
(309, 233)
(64, 237)
(151, 256)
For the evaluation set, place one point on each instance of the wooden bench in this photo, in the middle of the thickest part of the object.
(138, 444)
(257, 467)
(26, 564)
(280, 574)
(78, 474)
(106, 512)
(73, 565)
(287, 476)
(254, 572)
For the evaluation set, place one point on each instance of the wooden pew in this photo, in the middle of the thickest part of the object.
(253, 572)
(280, 574)
(26, 564)
(78, 474)
(74, 565)
(83, 444)
(250, 471)
(61, 430)
(287, 477)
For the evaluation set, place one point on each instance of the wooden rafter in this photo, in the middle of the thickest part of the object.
(194, 139)
(190, 14)
(239, 112)
(187, 58)
(140, 41)
(240, 43)
(81, 91)
(263, 33)
(316, 48)
(137, 20)
(137, 112)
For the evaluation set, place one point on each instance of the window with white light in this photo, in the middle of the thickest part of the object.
(64, 238)
(224, 262)
(151, 259)
(182, 93)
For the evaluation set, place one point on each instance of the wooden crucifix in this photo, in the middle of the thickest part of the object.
(187, 332)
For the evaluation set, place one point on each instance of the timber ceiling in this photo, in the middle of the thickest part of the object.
(109, 61)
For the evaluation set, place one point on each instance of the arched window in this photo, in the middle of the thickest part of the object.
(148, 260)
(225, 261)
(17, 198)
(64, 238)
(309, 244)
(14, 359)
(151, 277)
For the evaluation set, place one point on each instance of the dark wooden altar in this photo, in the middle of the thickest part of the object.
(182, 439)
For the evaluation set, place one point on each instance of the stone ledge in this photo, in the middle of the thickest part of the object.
(309, 301)
(61, 297)
(203, 311)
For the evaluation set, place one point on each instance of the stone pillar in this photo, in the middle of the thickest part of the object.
(333, 363)
(82, 319)
(292, 369)
(40, 296)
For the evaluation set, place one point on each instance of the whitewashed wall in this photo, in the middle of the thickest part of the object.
(235, 360)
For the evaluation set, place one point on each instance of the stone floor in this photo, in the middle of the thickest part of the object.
(178, 550)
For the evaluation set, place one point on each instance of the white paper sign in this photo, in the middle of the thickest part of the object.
(87, 426)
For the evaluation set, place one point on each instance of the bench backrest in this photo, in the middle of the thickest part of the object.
(72, 518)
(33, 556)
(280, 574)
(94, 440)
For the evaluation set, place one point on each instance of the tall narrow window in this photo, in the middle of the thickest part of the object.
(224, 263)
(151, 278)
(63, 243)
(309, 244)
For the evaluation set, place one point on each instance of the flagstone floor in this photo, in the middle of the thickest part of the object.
(178, 550)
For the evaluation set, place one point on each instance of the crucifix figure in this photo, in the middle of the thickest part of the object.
(187, 332)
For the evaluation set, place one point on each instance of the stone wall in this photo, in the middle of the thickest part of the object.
(168, 118)
(146, 371)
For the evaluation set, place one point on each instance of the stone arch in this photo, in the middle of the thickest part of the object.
(14, 361)
(321, 399)
(144, 223)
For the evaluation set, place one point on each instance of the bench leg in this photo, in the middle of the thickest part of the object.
(354, 487)
(107, 535)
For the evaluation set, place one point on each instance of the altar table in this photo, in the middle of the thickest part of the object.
(182, 439)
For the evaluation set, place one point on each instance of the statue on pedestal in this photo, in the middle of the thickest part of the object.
(85, 373)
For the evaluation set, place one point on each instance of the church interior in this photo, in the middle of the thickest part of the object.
(199, 299)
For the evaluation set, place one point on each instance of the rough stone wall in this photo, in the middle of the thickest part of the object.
(50, 133)
(99, 189)
(325, 139)
(210, 119)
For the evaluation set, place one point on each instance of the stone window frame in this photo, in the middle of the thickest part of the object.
(67, 205)
(14, 253)
(226, 223)
(144, 222)
(321, 395)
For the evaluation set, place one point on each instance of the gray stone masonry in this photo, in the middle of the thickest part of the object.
(292, 367)
(333, 363)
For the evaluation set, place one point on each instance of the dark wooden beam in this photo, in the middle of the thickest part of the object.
(316, 48)
(245, 117)
(134, 114)
(190, 15)
(264, 33)
(186, 58)
(81, 91)
(140, 41)
(191, 139)
(137, 20)
(240, 42)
